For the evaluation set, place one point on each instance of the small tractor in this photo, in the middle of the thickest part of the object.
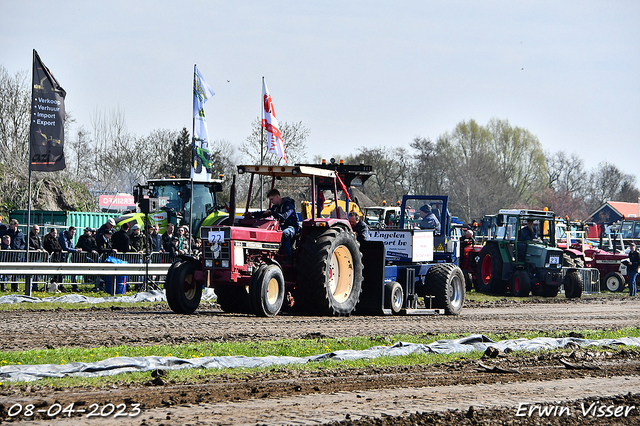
(611, 265)
(511, 262)
(329, 271)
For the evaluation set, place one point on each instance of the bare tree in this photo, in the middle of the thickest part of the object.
(427, 169)
(294, 136)
(15, 104)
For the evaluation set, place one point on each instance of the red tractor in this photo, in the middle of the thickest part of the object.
(327, 272)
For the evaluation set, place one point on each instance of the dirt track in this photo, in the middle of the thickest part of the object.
(283, 397)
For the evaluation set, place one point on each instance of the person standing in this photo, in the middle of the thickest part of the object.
(167, 236)
(156, 239)
(105, 245)
(87, 241)
(17, 237)
(5, 244)
(52, 246)
(108, 225)
(634, 264)
(35, 243)
(120, 240)
(66, 240)
(137, 239)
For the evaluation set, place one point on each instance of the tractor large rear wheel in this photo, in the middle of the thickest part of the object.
(183, 292)
(446, 284)
(330, 271)
(490, 270)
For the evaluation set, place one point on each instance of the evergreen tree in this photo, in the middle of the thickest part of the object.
(179, 160)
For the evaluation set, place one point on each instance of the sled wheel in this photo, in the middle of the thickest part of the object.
(395, 296)
(446, 284)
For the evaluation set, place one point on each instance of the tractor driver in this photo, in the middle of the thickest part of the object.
(284, 211)
(429, 219)
(527, 233)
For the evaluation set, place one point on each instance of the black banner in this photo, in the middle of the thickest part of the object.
(47, 120)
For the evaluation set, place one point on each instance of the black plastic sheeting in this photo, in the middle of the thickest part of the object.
(119, 365)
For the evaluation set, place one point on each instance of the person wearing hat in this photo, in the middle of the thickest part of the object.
(87, 242)
(110, 224)
(429, 219)
(174, 248)
(136, 239)
(105, 245)
(634, 264)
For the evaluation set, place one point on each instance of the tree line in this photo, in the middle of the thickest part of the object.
(482, 168)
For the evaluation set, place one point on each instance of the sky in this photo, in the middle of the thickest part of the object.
(355, 73)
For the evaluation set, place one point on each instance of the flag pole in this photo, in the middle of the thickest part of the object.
(262, 148)
(27, 278)
(193, 147)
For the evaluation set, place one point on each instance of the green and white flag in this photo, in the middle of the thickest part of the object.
(201, 164)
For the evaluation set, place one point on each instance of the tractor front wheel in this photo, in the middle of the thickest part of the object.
(267, 291)
(614, 281)
(520, 283)
(183, 292)
(573, 285)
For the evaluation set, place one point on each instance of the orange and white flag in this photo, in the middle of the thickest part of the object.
(274, 138)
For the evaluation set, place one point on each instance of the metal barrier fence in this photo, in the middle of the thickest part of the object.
(40, 282)
(590, 279)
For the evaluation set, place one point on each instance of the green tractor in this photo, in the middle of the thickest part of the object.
(523, 257)
(174, 204)
(202, 158)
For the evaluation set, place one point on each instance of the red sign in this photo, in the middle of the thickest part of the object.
(116, 201)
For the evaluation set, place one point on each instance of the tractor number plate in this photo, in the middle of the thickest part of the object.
(554, 260)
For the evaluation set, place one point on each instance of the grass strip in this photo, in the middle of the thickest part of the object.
(295, 347)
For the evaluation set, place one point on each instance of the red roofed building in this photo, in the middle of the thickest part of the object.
(612, 211)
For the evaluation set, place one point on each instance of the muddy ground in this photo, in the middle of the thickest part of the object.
(464, 392)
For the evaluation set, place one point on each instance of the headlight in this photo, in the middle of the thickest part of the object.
(224, 263)
(208, 263)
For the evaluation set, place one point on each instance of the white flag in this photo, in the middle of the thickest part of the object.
(201, 166)
(269, 122)
(201, 92)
